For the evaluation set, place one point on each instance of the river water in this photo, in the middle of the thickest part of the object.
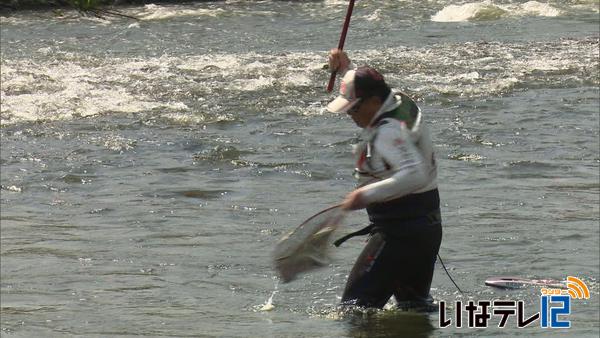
(149, 167)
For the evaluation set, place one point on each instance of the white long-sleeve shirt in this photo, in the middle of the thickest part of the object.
(394, 160)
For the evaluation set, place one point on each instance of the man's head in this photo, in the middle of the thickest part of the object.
(362, 93)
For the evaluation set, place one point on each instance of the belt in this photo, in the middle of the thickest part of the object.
(431, 218)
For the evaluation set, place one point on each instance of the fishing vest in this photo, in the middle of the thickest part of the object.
(372, 166)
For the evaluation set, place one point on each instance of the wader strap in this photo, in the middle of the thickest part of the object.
(361, 232)
(432, 218)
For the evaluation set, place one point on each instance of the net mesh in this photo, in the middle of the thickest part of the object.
(307, 247)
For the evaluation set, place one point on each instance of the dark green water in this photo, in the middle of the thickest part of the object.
(148, 168)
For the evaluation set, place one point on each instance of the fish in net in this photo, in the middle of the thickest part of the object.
(307, 247)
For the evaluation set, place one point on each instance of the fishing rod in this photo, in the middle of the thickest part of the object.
(330, 88)
(341, 42)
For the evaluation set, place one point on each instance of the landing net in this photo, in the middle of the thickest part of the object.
(307, 247)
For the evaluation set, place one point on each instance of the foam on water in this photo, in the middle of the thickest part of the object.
(183, 88)
(153, 12)
(480, 69)
(587, 5)
(375, 16)
(539, 9)
(11, 20)
(471, 11)
(342, 3)
(68, 87)
(156, 12)
(489, 10)
(33, 92)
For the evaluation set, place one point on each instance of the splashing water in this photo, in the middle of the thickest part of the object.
(268, 305)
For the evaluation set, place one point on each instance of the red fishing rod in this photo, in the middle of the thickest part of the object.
(341, 43)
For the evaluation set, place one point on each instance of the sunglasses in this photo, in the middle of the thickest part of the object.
(354, 108)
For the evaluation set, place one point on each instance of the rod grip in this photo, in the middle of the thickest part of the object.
(331, 82)
(341, 42)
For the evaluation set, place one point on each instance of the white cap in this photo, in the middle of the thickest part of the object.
(347, 98)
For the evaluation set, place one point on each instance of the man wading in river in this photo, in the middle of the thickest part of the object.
(397, 173)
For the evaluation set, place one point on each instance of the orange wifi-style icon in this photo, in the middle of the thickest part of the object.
(577, 288)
